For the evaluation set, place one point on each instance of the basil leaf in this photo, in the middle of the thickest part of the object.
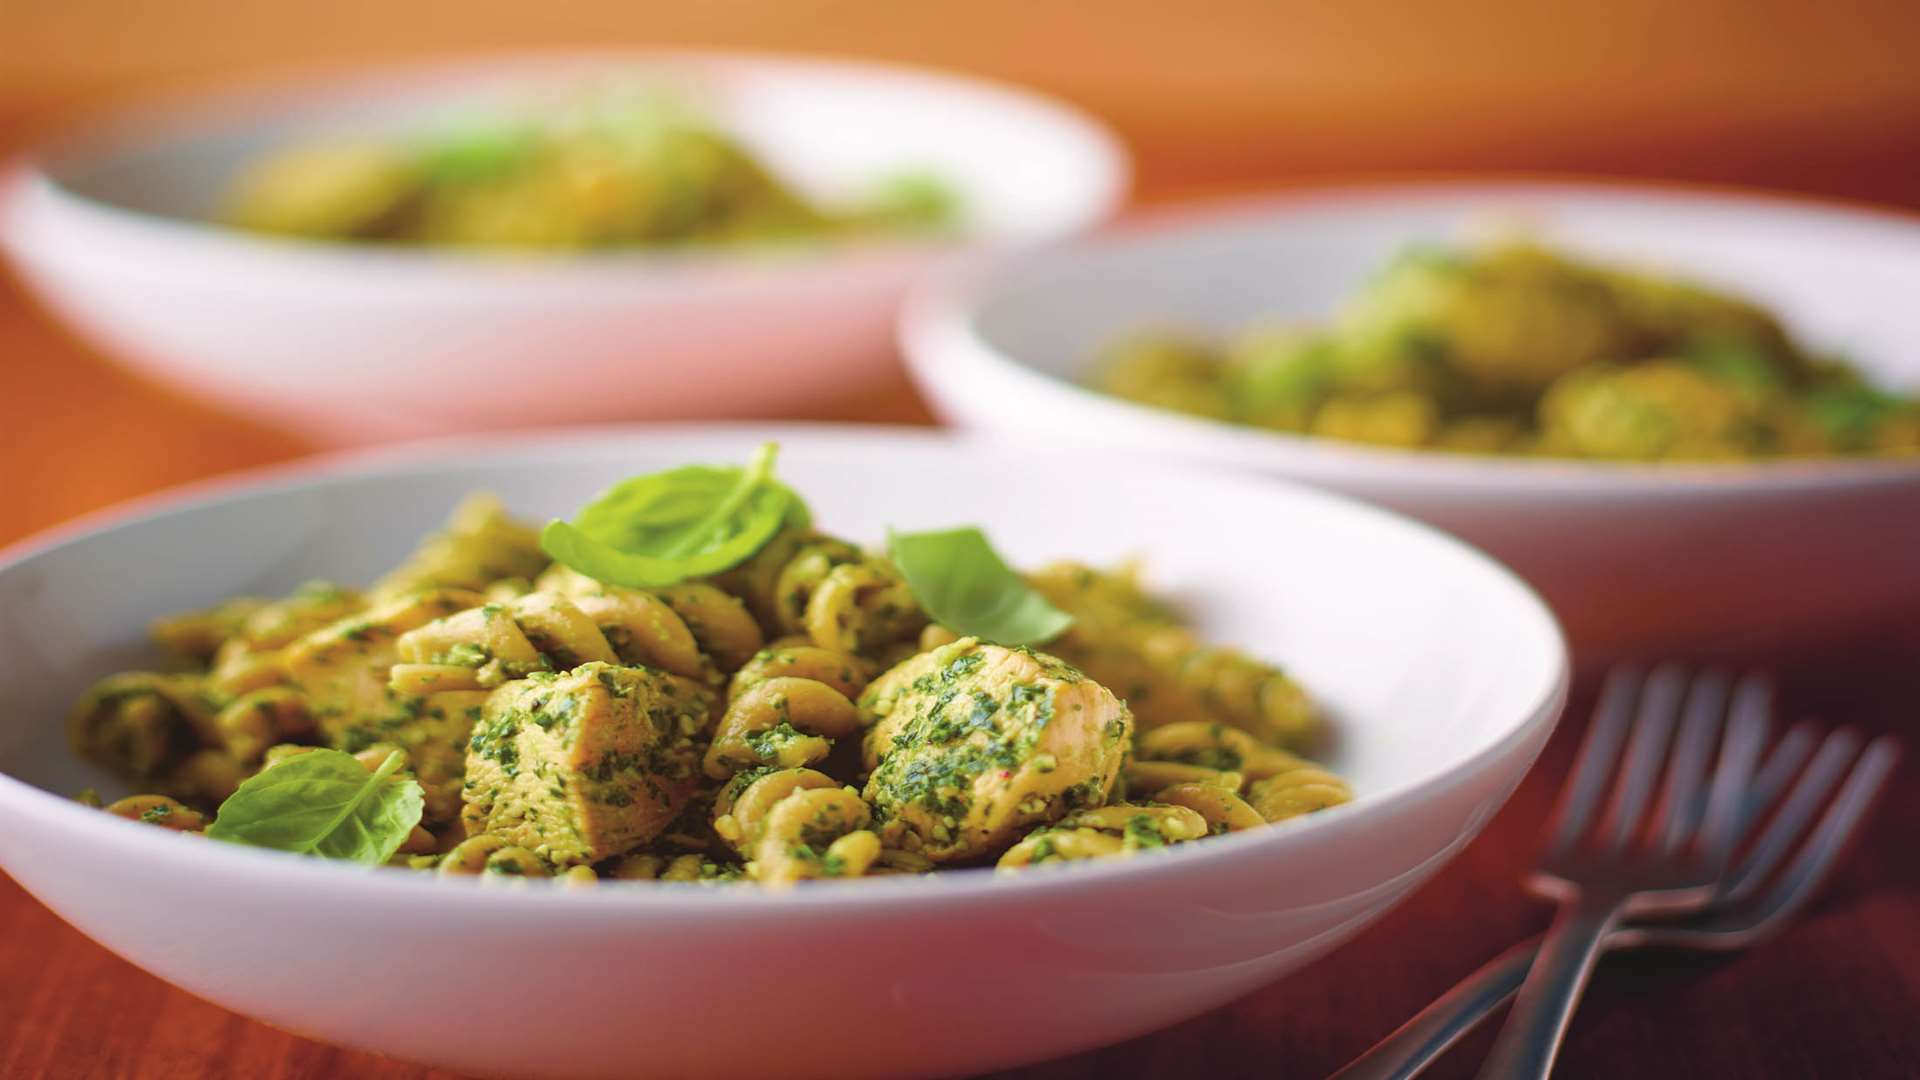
(966, 587)
(666, 527)
(479, 154)
(323, 803)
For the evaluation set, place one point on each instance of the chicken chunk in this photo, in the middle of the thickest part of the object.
(142, 725)
(343, 667)
(587, 764)
(335, 190)
(1502, 322)
(342, 671)
(1185, 376)
(971, 744)
(1652, 411)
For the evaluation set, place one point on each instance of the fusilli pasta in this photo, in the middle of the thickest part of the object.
(792, 719)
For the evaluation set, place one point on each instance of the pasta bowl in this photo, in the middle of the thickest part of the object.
(1440, 672)
(1637, 559)
(351, 342)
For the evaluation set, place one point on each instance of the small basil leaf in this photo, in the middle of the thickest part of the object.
(479, 154)
(323, 803)
(912, 197)
(666, 527)
(967, 587)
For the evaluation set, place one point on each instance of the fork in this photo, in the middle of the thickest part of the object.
(1738, 918)
(1637, 858)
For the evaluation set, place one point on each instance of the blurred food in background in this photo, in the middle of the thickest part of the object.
(366, 255)
(1532, 351)
(1514, 348)
(609, 168)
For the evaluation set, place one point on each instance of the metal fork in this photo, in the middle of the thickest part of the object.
(1638, 858)
(1738, 918)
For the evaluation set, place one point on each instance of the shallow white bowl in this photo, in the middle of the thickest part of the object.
(1442, 674)
(1635, 559)
(350, 342)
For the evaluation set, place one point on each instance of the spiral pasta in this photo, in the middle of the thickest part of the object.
(550, 630)
(1104, 832)
(479, 546)
(251, 723)
(141, 724)
(253, 655)
(485, 646)
(1282, 785)
(1297, 791)
(159, 810)
(1166, 673)
(785, 708)
(796, 824)
(689, 868)
(197, 635)
(491, 854)
(740, 810)
(720, 623)
(1216, 746)
(1145, 777)
(1222, 807)
(815, 834)
(827, 590)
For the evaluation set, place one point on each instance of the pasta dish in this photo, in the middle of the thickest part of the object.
(689, 681)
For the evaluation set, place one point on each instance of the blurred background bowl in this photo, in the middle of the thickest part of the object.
(348, 343)
(1637, 559)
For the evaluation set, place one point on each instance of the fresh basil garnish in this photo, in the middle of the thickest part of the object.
(666, 527)
(324, 803)
(966, 586)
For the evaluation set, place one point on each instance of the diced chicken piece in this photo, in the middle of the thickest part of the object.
(343, 670)
(343, 667)
(971, 744)
(587, 764)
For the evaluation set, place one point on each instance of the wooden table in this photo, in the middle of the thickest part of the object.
(1837, 996)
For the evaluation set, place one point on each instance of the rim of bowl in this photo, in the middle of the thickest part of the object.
(942, 343)
(971, 884)
(105, 132)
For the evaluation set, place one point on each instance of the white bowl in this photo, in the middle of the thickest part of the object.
(349, 343)
(1443, 675)
(1634, 558)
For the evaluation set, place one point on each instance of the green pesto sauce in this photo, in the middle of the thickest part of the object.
(465, 654)
(1217, 756)
(960, 728)
(1141, 833)
(493, 740)
(768, 743)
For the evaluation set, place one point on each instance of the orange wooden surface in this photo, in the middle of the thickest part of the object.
(1220, 96)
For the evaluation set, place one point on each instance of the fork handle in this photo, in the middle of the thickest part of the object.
(1415, 1044)
(1531, 1037)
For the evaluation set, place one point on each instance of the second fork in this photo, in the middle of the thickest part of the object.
(1642, 856)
